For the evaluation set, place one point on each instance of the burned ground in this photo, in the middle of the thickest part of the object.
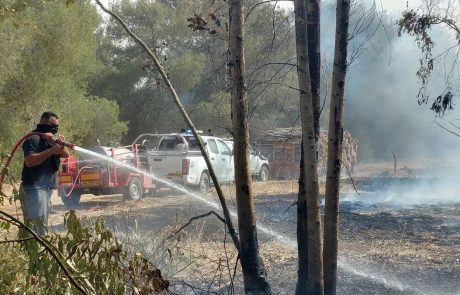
(385, 247)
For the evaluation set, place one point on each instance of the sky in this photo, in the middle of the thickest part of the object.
(390, 5)
(395, 5)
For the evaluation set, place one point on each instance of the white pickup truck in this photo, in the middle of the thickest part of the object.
(176, 156)
(258, 163)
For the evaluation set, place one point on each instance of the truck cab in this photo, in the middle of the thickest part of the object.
(258, 163)
(176, 157)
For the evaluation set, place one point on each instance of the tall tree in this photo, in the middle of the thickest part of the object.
(315, 268)
(335, 147)
(194, 52)
(47, 57)
(314, 57)
(254, 275)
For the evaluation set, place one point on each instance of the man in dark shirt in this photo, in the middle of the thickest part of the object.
(41, 163)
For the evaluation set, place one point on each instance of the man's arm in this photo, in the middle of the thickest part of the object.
(35, 159)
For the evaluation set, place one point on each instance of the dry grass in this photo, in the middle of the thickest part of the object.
(400, 253)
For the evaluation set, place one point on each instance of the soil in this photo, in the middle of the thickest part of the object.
(385, 246)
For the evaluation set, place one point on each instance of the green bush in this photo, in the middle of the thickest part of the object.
(90, 252)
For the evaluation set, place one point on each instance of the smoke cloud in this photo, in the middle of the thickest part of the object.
(381, 108)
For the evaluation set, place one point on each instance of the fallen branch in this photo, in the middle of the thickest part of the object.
(195, 218)
(226, 212)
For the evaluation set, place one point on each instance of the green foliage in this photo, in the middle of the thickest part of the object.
(95, 254)
(47, 55)
(90, 252)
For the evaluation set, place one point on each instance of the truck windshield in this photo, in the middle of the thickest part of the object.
(192, 145)
(169, 143)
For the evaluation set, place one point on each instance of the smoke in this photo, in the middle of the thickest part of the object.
(381, 108)
(428, 185)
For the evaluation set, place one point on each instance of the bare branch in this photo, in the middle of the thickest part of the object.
(349, 175)
(394, 159)
(16, 241)
(294, 203)
(212, 212)
(450, 131)
(260, 3)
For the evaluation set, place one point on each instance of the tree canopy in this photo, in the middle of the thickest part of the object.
(48, 56)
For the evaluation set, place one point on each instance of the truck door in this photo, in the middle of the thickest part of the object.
(254, 160)
(226, 161)
(213, 153)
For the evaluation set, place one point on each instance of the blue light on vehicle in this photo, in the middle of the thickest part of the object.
(189, 131)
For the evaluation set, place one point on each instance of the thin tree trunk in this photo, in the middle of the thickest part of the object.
(314, 57)
(335, 147)
(254, 274)
(315, 267)
(302, 231)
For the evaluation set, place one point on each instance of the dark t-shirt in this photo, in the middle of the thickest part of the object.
(44, 174)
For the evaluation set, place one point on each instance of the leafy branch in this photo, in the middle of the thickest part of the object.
(84, 288)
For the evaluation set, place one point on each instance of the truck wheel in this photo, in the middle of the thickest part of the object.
(134, 189)
(203, 186)
(263, 175)
(72, 200)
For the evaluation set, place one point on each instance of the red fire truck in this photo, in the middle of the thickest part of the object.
(96, 173)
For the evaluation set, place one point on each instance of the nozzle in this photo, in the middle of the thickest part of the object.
(66, 144)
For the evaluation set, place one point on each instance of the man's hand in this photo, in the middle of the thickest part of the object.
(57, 149)
(64, 153)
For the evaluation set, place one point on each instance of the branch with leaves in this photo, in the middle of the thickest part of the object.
(419, 24)
(84, 287)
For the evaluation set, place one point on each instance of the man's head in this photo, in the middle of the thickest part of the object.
(49, 122)
(49, 118)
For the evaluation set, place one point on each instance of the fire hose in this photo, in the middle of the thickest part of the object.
(16, 146)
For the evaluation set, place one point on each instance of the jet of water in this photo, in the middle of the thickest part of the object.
(261, 228)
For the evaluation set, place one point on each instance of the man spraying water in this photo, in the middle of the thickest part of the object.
(42, 155)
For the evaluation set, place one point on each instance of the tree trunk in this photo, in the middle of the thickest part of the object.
(335, 147)
(315, 267)
(314, 58)
(254, 275)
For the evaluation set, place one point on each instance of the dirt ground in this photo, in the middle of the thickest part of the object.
(386, 246)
